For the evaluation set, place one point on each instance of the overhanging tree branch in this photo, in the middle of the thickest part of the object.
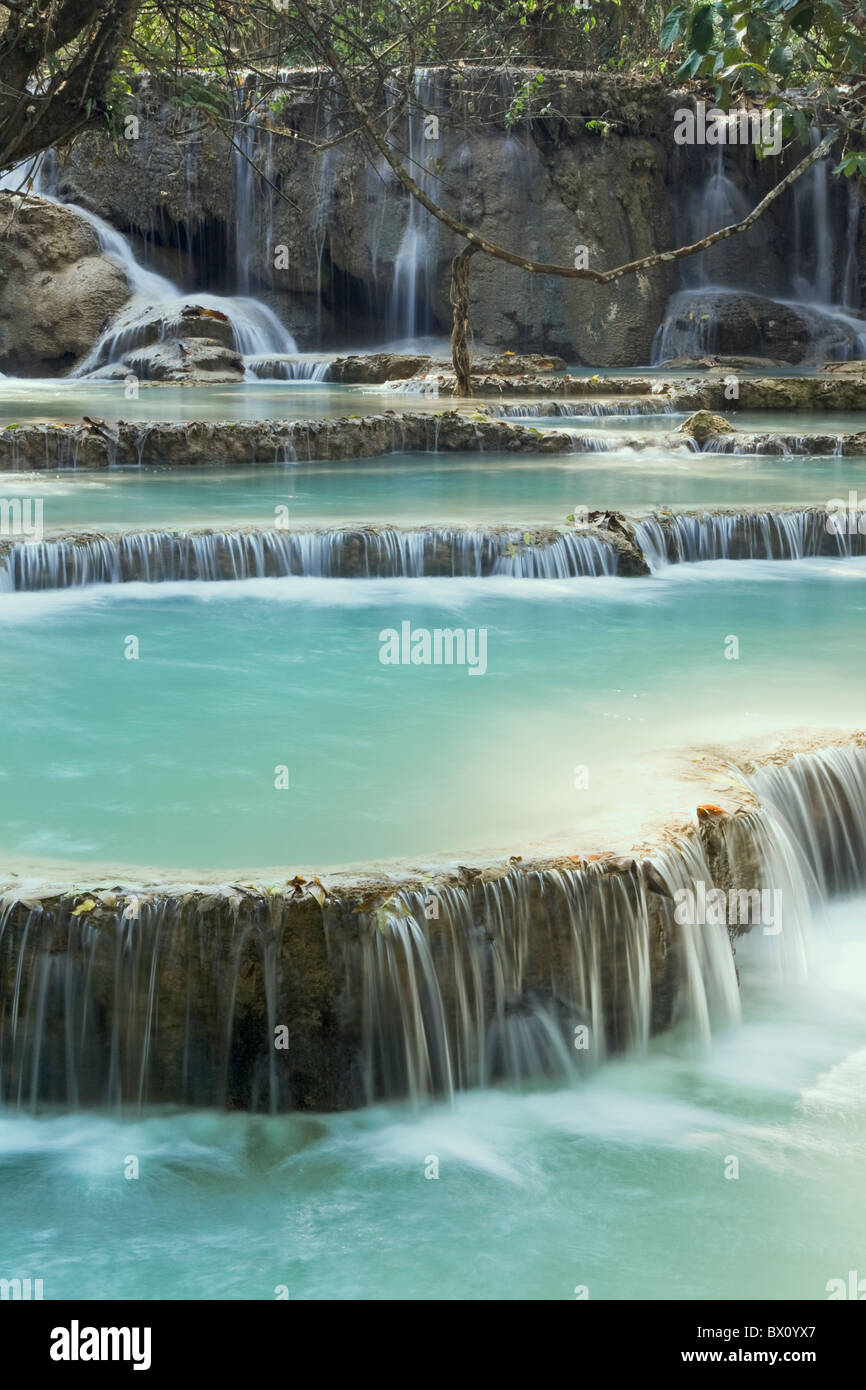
(460, 264)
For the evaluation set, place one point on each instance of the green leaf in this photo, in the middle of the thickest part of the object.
(690, 66)
(851, 164)
(759, 32)
(781, 59)
(701, 32)
(672, 25)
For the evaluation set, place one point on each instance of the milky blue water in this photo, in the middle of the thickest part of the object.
(169, 760)
(427, 489)
(57, 400)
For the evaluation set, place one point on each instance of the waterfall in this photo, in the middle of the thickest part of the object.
(157, 304)
(851, 276)
(821, 801)
(386, 553)
(715, 203)
(688, 538)
(815, 263)
(410, 312)
(822, 302)
(248, 185)
(306, 368)
(418, 991)
(155, 557)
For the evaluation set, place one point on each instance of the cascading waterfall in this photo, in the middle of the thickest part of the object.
(686, 538)
(528, 975)
(155, 557)
(551, 409)
(166, 556)
(157, 304)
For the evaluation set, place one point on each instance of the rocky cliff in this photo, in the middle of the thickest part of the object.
(332, 243)
(291, 210)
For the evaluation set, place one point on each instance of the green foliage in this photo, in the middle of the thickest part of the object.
(803, 57)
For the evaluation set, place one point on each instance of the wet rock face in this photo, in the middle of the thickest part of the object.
(193, 345)
(542, 191)
(57, 289)
(193, 321)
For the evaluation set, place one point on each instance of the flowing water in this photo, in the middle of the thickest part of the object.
(616, 1182)
(716, 1153)
(821, 284)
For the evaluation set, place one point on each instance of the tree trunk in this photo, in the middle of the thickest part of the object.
(460, 327)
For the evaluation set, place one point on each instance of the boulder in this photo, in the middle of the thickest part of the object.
(185, 359)
(375, 368)
(188, 321)
(728, 323)
(704, 425)
(58, 290)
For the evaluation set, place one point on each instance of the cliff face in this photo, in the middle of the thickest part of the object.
(333, 243)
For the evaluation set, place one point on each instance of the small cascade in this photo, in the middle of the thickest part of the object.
(551, 409)
(820, 799)
(306, 368)
(505, 977)
(567, 557)
(166, 556)
(784, 445)
(597, 443)
(689, 538)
